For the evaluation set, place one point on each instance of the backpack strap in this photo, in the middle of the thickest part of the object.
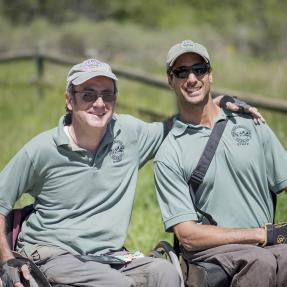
(168, 123)
(199, 172)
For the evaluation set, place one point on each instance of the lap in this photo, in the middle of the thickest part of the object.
(278, 250)
(146, 271)
(60, 266)
(231, 255)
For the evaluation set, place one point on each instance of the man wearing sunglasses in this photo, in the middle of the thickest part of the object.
(83, 177)
(249, 166)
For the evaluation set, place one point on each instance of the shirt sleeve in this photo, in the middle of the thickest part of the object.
(16, 178)
(149, 138)
(173, 196)
(276, 162)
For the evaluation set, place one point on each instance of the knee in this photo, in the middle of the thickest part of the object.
(165, 271)
(161, 265)
(116, 279)
(264, 260)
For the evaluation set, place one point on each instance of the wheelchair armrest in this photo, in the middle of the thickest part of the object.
(14, 222)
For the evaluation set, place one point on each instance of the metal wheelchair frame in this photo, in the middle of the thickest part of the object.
(201, 274)
(13, 225)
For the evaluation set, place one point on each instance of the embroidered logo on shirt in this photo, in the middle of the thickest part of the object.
(241, 134)
(117, 151)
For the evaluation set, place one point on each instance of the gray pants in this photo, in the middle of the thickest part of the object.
(60, 266)
(249, 265)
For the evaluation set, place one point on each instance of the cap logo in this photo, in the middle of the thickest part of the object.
(91, 64)
(187, 44)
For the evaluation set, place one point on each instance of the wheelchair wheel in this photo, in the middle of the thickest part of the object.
(165, 251)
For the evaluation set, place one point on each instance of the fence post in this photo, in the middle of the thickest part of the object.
(39, 58)
(40, 66)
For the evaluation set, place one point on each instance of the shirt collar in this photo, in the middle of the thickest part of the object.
(61, 138)
(180, 127)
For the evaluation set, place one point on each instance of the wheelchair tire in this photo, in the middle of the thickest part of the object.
(165, 251)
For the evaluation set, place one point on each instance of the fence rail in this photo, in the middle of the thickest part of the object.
(273, 104)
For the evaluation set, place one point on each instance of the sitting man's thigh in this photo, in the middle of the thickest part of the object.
(152, 272)
(59, 266)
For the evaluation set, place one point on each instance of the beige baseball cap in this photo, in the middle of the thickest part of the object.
(186, 46)
(88, 69)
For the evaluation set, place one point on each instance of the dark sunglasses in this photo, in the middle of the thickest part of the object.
(198, 70)
(92, 96)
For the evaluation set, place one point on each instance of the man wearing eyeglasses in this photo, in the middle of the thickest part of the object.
(83, 177)
(248, 166)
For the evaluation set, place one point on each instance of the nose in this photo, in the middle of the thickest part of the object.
(191, 77)
(99, 102)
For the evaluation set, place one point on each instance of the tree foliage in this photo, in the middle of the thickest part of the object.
(259, 25)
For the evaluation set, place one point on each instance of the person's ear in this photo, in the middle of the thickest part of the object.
(68, 99)
(170, 82)
(210, 77)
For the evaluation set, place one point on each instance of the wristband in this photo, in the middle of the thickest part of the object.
(243, 107)
(268, 235)
(275, 234)
(226, 99)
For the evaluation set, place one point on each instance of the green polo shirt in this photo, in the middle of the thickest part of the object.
(248, 164)
(83, 202)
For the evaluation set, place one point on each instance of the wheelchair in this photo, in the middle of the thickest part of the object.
(193, 275)
(13, 226)
(200, 274)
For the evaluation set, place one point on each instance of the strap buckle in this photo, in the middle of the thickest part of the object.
(196, 177)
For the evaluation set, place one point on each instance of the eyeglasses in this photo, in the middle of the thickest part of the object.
(92, 96)
(198, 70)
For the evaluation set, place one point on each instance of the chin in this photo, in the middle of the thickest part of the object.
(195, 99)
(99, 123)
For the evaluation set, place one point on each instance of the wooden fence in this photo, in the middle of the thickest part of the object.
(272, 104)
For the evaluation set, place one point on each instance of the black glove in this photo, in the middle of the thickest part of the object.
(275, 234)
(5, 278)
(11, 273)
(243, 106)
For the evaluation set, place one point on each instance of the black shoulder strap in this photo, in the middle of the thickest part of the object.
(201, 169)
(168, 123)
(207, 155)
(199, 172)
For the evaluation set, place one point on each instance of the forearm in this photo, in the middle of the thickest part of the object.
(195, 236)
(5, 251)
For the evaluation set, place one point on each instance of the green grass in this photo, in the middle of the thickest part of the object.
(24, 113)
